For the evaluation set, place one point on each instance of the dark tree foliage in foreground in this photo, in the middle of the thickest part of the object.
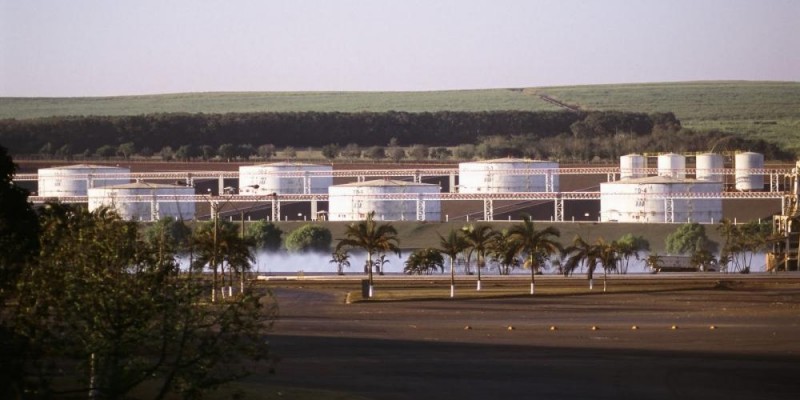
(104, 312)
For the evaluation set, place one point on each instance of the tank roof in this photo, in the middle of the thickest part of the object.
(286, 164)
(509, 160)
(386, 182)
(659, 179)
(144, 185)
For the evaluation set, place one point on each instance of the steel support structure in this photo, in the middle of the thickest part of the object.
(420, 207)
(488, 210)
(559, 209)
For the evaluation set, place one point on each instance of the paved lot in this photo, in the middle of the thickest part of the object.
(464, 349)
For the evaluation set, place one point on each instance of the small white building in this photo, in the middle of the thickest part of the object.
(653, 199)
(143, 201)
(507, 175)
(391, 200)
(74, 180)
(285, 178)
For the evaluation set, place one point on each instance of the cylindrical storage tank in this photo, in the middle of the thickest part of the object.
(353, 201)
(709, 167)
(648, 200)
(632, 166)
(507, 175)
(285, 178)
(74, 180)
(746, 179)
(672, 165)
(142, 201)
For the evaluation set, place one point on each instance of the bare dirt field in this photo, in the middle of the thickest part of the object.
(730, 338)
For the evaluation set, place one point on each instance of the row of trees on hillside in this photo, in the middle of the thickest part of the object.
(375, 136)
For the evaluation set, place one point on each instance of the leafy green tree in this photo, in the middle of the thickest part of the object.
(742, 242)
(424, 261)
(227, 152)
(330, 151)
(19, 226)
(166, 153)
(479, 239)
(465, 151)
(106, 151)
(309, 237)
(352, 151)
(452, 245)
(217, 244)
(689, 238)
(186, 152)
(342, 260)
(536, 244)
(289, 152)
(654, 261)
(146, 152)
(375, 153)
(126, 150)
(372, 238)
(245, 151)
(441, 153)
(396, 153)
(64, 152)
(418, 152)
(266, 151)
(207, 152)
(47, 150)
(265, 235)
(102, 314)
(504, 250)
(629, 247)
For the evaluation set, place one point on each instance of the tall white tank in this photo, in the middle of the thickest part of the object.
(746, 179)
(268, 178)
(632, 166)
(74, 180)
(672, 165)
(498, 176)
(353, 201)
(709, 167)
(644, 200)
(152, 202)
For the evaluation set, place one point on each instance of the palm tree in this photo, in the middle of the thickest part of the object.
(504, 249)
(581, 253)
(654, 261)
(451, 245)
(342, 259)
(425, 261)
(371, 237)
(479, 239)
(538, 245)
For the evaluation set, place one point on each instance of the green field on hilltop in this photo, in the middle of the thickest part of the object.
(760, 110)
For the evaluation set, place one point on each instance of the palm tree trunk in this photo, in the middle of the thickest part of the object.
(533, 276)
(479, 272)
(369, 271)
(452, 277)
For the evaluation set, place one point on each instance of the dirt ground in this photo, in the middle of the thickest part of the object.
(504, 347)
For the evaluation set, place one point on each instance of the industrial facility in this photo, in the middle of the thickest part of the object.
(390, 200)
(680, 188)
(74, 180)
(142, 201)
(285, 178)
(508, 175)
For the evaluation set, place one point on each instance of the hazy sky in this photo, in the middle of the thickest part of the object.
(101, 48)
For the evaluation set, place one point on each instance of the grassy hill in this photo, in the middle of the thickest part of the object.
(767, 110)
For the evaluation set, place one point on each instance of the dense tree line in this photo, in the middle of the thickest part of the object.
(564, 136)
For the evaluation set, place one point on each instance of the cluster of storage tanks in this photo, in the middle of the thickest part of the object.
(670, 195)
(107, 186)
(637, 197)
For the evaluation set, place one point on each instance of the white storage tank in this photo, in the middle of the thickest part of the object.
(74, 180)
(154, 201)
(497, 176)
(632, 166)
(709, 166)
(305, 178)
(353, 201)
(746, 179)
(643, 200)
(672, 165)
